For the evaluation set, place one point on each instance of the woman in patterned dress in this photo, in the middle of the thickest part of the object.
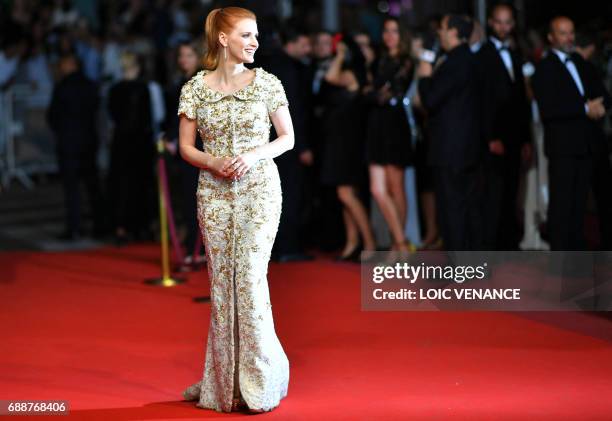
(239, 203)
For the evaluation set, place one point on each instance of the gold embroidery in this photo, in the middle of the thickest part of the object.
(239, 220)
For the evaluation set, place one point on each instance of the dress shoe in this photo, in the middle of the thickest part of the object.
(292, 257)
(69, 236)
(121, 240)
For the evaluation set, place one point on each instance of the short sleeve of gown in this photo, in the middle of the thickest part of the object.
(276, 96)
(187, 104)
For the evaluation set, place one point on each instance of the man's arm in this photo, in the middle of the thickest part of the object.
(550, 104)
(437, 88)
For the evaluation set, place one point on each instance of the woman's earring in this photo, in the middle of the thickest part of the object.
(225, 53)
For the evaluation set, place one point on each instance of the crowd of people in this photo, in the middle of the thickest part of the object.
(445, 99)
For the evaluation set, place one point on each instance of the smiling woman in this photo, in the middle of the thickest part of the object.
(239, 203)
(235, 21)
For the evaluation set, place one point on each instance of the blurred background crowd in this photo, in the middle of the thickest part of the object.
(435, 124)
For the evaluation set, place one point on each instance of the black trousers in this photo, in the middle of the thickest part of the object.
(458, 201)
(132, 183)
(189, 176)
(77, 164)
(499, 210)
(569, 180)
(288, 236)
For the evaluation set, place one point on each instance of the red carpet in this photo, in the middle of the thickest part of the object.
(83, 327)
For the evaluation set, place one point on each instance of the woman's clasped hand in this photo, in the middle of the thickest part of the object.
(233, 167)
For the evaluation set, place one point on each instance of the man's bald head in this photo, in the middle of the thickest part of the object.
(561, 34)
(501, 21)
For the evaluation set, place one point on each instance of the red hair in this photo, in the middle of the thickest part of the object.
(221, 20)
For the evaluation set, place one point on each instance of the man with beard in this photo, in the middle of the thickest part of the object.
(505, 123)
(572, 101)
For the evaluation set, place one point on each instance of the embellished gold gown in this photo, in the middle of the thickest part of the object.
(239, 220)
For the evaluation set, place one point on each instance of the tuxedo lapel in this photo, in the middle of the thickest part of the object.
(516, 65)
(501, 66)
(584, 77)
(566, 75)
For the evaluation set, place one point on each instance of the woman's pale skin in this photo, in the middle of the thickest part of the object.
(230, 76)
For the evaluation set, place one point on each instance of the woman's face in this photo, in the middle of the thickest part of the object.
(187, 59)
(391, 35)
(242, 42)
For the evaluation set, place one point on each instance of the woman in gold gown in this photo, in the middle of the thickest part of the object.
(239, 203)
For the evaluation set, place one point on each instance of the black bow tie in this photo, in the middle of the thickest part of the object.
(504, 47)
(568, 59)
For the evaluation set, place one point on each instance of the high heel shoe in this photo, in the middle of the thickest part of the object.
(352, 256)
(367, 256)
(400, 251)
(435, 244)
(192, 393)
(410, 246)
(260, 410)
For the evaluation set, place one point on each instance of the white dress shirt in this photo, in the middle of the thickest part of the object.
(571, 68)
(502, 49)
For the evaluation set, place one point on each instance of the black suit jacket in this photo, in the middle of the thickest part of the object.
(505, 110)
(294, 77)
(450, 96)
(567, 129)
(73, 110)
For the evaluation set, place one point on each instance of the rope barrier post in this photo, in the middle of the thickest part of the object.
(166, 280)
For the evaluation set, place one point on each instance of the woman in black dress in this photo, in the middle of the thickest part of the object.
(189, 63)
(131, 173)
(344, 164)
(389, 149)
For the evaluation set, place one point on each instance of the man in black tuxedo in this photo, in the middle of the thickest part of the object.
(505, 123)
(72, 117)
(449, 93)
(572, 101)
(287, 65)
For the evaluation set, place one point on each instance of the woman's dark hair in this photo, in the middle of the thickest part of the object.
(354, 61)
(195, 45)
(404, 42)
(291, 34)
